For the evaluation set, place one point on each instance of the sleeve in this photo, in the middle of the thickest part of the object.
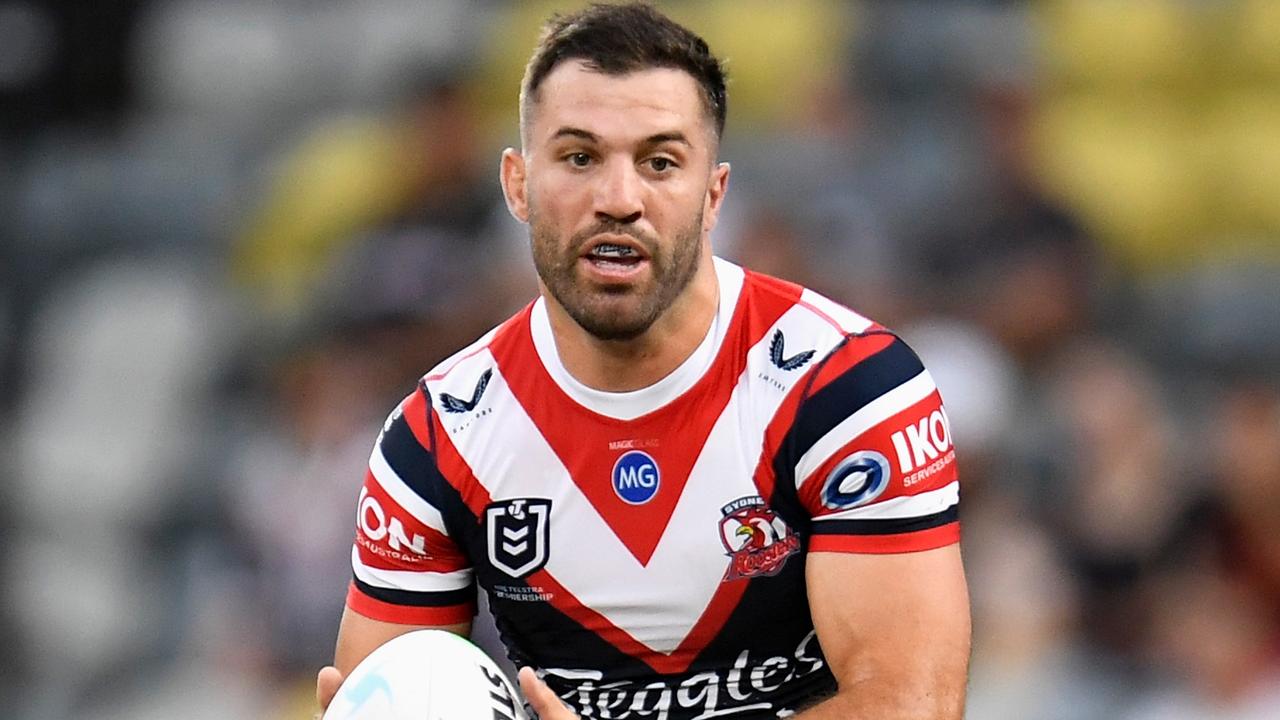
(870, 454)
(406, 567)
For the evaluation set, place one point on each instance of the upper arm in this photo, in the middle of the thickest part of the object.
(874, 471)
(407, 572)
(896, 626)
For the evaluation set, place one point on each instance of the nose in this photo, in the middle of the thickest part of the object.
(618, 195)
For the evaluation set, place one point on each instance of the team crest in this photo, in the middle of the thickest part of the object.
(757, 540)
(518, 532)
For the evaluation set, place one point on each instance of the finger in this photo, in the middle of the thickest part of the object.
(542, 699)
(327, 684)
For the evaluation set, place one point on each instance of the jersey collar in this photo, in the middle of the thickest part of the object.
(632, 404)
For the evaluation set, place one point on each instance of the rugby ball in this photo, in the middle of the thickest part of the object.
(426, 675)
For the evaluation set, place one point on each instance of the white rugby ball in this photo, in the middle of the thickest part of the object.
(426, 675)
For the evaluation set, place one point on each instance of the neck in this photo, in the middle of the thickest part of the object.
(625, 365)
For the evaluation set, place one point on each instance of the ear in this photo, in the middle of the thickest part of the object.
(715, 196)
(511, 175)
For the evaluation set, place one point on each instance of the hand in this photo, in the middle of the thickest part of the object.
(540, 697)
(327, 684)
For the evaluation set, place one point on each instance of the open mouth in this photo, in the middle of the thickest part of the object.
(615, 256)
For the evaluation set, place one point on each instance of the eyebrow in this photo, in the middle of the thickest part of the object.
(656, 139)
(677, 137)
(577, 133)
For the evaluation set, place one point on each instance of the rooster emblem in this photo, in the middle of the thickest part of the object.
(757, 540)
(757, 528)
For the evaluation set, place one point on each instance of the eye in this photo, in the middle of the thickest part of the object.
(578, 159)
(661, 164)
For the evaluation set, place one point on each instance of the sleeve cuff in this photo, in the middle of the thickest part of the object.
(918, 541)
(408, 614)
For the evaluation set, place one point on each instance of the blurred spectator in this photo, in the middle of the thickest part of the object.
(1217, 646)
(1016, 262)
(1028, 661)
(1247, 462)
(351, 175)
(1117, 487)
(299, 449)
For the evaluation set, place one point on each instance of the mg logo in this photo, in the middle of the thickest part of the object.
(636, 477)
(921, 442)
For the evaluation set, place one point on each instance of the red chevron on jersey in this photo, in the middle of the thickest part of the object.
(678, 660)
(581, 438)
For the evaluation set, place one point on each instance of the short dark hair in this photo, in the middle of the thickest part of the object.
(619, 39)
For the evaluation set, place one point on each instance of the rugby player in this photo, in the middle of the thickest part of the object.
(689, 489)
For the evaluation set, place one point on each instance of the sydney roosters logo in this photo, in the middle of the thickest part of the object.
(757, 540)
(452, 404)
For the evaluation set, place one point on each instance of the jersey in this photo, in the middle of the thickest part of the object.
(645, 551)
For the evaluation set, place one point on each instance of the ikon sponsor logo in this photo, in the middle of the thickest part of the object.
(376, 525)
(923, 442)
(929, 470)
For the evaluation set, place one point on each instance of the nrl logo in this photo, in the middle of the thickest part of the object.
(757, 540)
(518, 533)
(452, 404)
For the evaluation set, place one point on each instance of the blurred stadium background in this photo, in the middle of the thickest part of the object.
(233, 233)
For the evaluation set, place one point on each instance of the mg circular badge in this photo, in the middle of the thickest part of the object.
(636, 477)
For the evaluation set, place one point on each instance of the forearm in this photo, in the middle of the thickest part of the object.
(878, 698)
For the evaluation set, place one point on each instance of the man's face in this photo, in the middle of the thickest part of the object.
(619, 189)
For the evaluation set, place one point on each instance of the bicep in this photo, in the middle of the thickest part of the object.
(359, 635)
(895, 623)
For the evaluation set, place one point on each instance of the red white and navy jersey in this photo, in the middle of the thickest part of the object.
(645, 550)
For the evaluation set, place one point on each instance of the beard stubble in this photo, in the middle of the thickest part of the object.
(620, 312)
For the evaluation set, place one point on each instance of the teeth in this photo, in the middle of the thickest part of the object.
(607, 250)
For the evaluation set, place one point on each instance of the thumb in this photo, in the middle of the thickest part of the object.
(327, 684)
(543, 701)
